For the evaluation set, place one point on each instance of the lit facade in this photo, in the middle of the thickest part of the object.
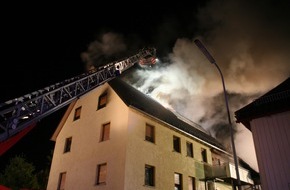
(104, 142)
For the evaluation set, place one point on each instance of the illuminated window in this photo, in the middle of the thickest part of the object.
(61, 181)
(77, 113)
(67, 145)
(149, 136)
(189, 149)
(101, 173)
(102, 101)
(176, 144)
(191, 183)
(177, 181)
(105, 133)
(203, 155)
(149, 175)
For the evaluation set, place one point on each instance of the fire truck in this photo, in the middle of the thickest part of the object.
(19, 115)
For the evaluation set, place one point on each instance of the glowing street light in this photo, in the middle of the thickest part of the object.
(212, 60)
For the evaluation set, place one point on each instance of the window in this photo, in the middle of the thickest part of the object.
(216, 161)
(105, 133)
(102, 101)
(150, 133)
(189, 149)
(176, 144)
(203, 155)
(177, 181)
(67, 145)
(77, 113)
(61, 181)
(101, 173)
(191, 183)
(149, 175)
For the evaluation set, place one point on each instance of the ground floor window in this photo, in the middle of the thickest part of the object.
(149, 175)
(177, 181)
(61, 181)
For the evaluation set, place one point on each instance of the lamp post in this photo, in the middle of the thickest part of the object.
(212, 60)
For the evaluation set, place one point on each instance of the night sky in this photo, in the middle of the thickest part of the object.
(44, 43)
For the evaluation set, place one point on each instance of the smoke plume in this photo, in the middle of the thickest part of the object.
(250, 42)
(105, 50)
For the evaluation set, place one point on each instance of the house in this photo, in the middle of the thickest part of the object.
(117, 138)
(268, 118)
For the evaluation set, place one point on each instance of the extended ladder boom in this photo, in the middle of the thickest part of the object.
(19, 113)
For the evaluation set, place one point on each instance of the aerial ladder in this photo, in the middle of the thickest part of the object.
(19, 115)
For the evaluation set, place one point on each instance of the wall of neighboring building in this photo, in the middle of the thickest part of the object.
(86, 150)
(271, 135)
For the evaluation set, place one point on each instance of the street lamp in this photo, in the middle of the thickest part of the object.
(211, 59)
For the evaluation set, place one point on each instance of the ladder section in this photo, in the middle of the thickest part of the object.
(19, 113)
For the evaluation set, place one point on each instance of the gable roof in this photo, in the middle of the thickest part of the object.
(134, 98)
(274, 101)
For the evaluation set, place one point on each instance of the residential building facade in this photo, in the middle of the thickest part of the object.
(116, 138)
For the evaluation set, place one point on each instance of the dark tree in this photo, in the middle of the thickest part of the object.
(19, 174)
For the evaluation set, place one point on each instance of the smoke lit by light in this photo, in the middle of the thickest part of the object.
(250, 42)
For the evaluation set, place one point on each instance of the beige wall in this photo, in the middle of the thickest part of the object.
(271, 137)
(126, 153)
(87, 151)
(161, 155)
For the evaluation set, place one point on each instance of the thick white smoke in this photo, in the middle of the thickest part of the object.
(250, 42)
